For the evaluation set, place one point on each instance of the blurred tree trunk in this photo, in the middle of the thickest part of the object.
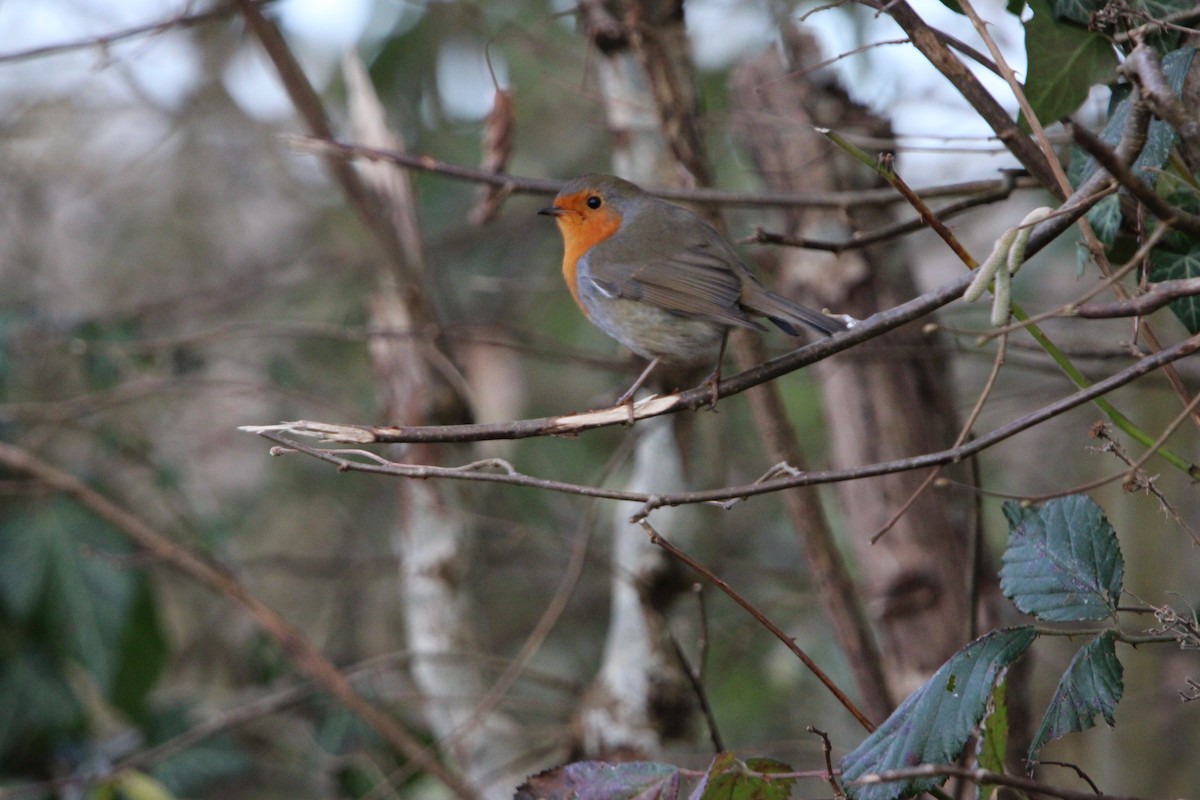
(641, 695)
(431, 534)
(888, 398)
(651, 35)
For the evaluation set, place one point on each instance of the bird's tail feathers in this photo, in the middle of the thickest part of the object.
(788, 315)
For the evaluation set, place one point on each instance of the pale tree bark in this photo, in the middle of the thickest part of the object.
(888, 398)
(641, 696)
(653, 35)
(431, 535)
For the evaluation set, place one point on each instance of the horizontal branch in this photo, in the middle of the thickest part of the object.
(982, 777)
(522, 185)
(1158, 295)
(651, 501)
(103, 41)
(865, 238)
(1111, 162)
(692, 399)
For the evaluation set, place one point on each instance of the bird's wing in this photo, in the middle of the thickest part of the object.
(697, 281)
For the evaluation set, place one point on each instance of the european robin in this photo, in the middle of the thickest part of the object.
(659, 279)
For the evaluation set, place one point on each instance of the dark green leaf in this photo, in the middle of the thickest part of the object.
(24, 563)
(192, 770)
(61, 574)
(1160, 137)
(1091, 685)
(1063, 561)
(141, 654)
(1076, 10)
(1166, 265)
(1105, 217)
(932, 726)
(1065, 61)
(727, 779)
(993, 744)
(91, 597)
(38, 703)
(599, 780)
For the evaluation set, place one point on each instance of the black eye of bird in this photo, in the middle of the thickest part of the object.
(594, 201)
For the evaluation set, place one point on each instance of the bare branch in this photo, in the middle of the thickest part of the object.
(863, 239)
(517, 184)
(181, 20)
(1144, 67)
(788, 641)
(983, 777)
(1108, 159)
(1159, 295)
(691, 399)
(934, 48)
(721, 495)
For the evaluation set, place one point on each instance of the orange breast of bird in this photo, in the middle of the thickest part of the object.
(582, 229)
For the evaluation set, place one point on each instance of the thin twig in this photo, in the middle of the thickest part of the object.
(866, 238)
(830, 773)
(538, 186)
(1107, 158)
(104, 41)
(964, 432)
(789, 642)
(982, 777)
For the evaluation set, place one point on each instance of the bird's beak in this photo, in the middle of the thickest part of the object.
(552, 211)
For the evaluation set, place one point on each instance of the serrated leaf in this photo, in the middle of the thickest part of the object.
(727, 779)
(1065, 61)
(1091, 685)
(1063, 562)
(993, 744)
(1166, 265)
(932, 726)
(599, 780)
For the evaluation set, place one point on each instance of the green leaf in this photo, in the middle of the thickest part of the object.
(193, 770)
(932, 726)
(141, 653)
(1065, 61)
(598, 780)
(1160, 136)
(993, 744)
(727, 779)
(1105, 217)
(38, 704)
(1091, 685)
(1063, 561)
(61, 579)
(1166, 265)
(1076, 10)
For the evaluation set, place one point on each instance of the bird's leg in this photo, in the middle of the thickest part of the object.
(714, 377)
(627, 398)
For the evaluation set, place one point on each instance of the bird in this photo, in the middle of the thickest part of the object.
(660, 280)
